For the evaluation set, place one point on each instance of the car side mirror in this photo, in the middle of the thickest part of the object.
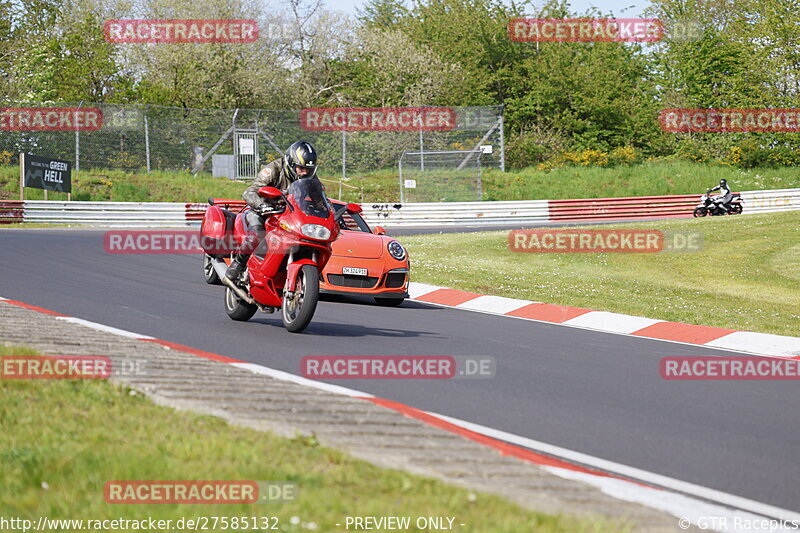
(270, 193)
(378, 230)
(353, 208)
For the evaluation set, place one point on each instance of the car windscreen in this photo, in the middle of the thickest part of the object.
(351, 221)
(310, 197)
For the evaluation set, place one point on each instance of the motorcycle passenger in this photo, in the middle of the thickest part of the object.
(299, 162)
(724, 197)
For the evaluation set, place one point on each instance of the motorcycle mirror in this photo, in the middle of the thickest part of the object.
(353, 208)
(270, 193)
(378, 230)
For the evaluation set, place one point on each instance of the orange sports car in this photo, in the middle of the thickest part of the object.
(366, 262)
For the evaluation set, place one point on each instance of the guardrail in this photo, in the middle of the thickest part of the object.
(486, 214)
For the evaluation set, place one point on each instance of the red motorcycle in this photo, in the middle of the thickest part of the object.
(283, 272)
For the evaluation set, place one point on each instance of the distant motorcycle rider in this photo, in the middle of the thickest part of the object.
(724, 197)
(299, 162)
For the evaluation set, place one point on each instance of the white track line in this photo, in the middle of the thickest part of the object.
(103, 327)
(658, 480)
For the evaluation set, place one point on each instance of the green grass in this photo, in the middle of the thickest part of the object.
(646, 179)
(745, 277)
(61, 441)
(651, 178)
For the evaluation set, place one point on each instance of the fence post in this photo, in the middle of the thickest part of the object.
(147, 138)
(400, 172)
(502, 141)
(344, 157)
(421, 151)
(78, 142)
(22, 176)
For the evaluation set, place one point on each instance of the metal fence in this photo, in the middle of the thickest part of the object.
(441, 176)
(147, 138)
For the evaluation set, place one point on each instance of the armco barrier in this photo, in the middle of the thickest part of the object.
(122, 214)
(446, 214)
(11, 211)
(643, 207)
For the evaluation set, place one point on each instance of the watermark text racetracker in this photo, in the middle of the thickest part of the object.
(164, 242)
(603, 241)
(585, 30)
(51, 119)
(199, 492)
(676, 120)
(180, 31)
(397, 367)
(15, 367)
(729, 368)
(580, 30)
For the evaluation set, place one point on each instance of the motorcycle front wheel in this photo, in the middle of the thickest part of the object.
(298, 308)
(700, 211)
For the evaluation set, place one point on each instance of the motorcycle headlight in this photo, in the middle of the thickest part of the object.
(315, 231)
(396, 250)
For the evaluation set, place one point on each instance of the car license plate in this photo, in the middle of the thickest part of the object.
(354, 271)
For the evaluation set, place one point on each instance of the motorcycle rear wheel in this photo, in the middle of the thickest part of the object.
(298, 308)
(209, 273)
(236, 308)
(700, 211)
(736, 209)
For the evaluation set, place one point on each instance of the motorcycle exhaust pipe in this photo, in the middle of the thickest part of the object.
(239, 292)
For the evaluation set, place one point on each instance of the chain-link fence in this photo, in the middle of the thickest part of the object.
(145, 138)
(441, 176)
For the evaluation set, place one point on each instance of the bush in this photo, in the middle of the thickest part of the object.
(525, 150)
(623, 155)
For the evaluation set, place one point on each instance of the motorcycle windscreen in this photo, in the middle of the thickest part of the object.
(310, 197)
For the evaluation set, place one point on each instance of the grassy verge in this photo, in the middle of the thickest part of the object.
(646, 179)
(746, 277)
(652, 178)
(63, 440)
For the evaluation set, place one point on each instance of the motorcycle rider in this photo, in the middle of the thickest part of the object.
(724, 197)
(299, 162)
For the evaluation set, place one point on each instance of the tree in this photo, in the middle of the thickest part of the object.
(382, 14)
(387, 68)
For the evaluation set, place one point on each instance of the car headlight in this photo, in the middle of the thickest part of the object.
(396, 250)
(315, 231)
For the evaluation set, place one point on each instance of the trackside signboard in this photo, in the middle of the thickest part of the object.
(46, 173)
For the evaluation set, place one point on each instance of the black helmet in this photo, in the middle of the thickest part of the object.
(723, 182)
(301, 154)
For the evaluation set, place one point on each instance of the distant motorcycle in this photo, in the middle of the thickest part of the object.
(707, 206)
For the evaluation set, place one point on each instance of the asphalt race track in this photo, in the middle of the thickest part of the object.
(596, 393)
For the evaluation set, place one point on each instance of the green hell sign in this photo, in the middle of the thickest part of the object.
(46, 173)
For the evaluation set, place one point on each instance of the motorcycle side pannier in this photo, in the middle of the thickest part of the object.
(215, 230)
